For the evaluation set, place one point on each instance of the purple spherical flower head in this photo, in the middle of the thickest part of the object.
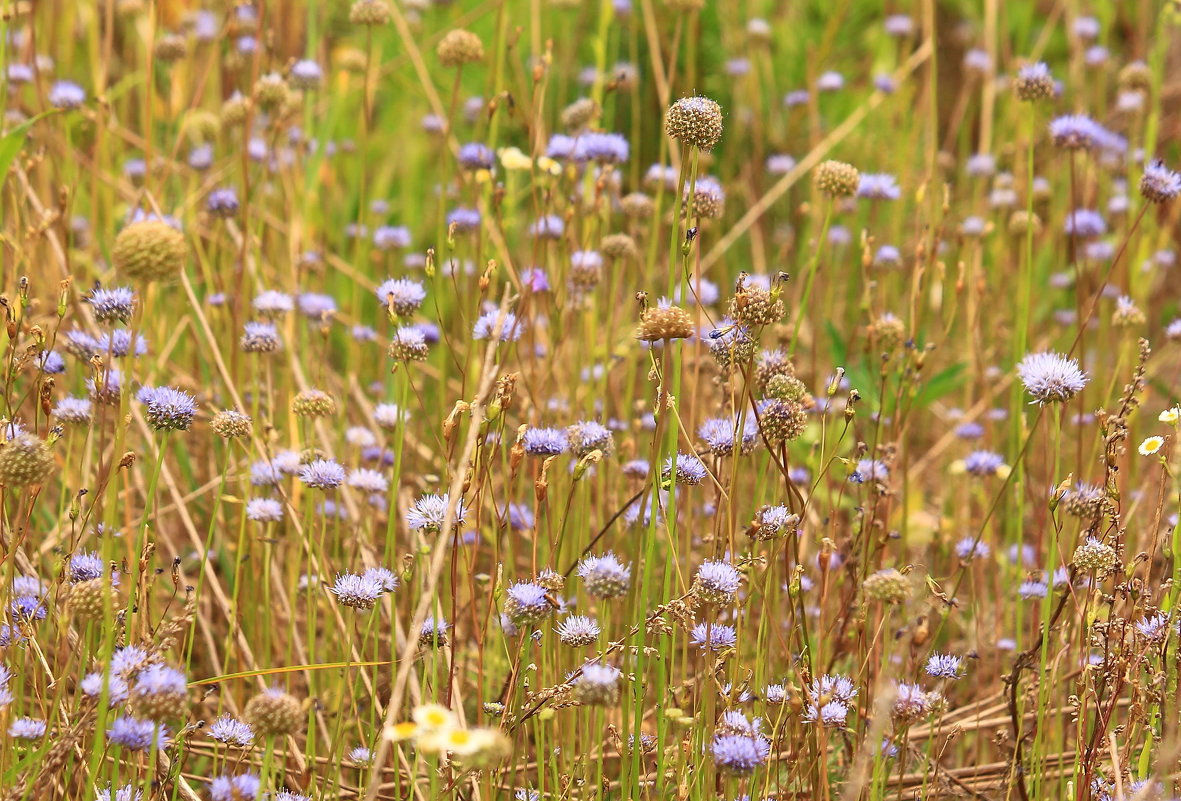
(112, 305)
(1051, 377)
(549, 226)
(67, 95)
(832, 687)
(688, 468)
(738, 755)
(526, 603)
(222, 202)
(899, 25)
(27, 729)
(1076, 132)
(264, 510)
(322, 474)
(167, 409)
(26, 609)
(1159, 184)
(307, 73)
(125, 793)
(983, 463)
(488, 322)
(464, 219)
(560, 147)
(137, 735)
(878, 186)
(230, 731)
(243, 787)
(605, 576)
(713, 636)
(383, 576)
(160, 679)
(428, 512)
(390, 237)
(1085, 223)
(604, 148)
(1154, 628)
(476, 156)
(544, 441)
(945, 666)
(832, 714)
(830, 81)
(85, 566)
(359, 592)
(717, 581)
(316, 305)
(578, 630)
(870, 471)
(119, 343)
(969, 548)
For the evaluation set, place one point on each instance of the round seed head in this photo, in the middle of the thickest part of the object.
(274, 712)
(230, 424)
(888, 586)
(313, 403)
(665, 322)
(837, 179)
(694, 121)
(369, 12)
(150, 250)
(460, 47)
(25, 460)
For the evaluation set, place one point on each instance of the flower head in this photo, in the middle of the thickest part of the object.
(1050, 377)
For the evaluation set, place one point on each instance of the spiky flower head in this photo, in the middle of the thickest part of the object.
(716, 582)
(428, 512)
(527, 604)
(232, 732)
(604, 576)
(167, 409)
(836, 178)
(739, 755)
(25, 460)
(587, 436)
(596, 685)
(1051, 377)
(403, 296)
(1034, 82)
(1159, 184)
(694, 121)
(112, 305)
(150, 250)
(944, 666)
(544, 441)
(685, 468)
(460, 47)
(578, 631)
(322, 474)
(160, 692)
(274, 712)
(713, 636)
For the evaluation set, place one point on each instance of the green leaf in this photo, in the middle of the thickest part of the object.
(942, 383)
(12, 142)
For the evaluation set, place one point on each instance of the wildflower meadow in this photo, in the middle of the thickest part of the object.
(589, 400)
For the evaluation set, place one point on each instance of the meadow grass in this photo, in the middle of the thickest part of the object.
(613, 399)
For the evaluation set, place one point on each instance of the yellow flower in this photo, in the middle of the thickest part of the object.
(434, 717)
(1170, 416)
(1151, 445)
(513, 159)
(400, 732)
(546, 164)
